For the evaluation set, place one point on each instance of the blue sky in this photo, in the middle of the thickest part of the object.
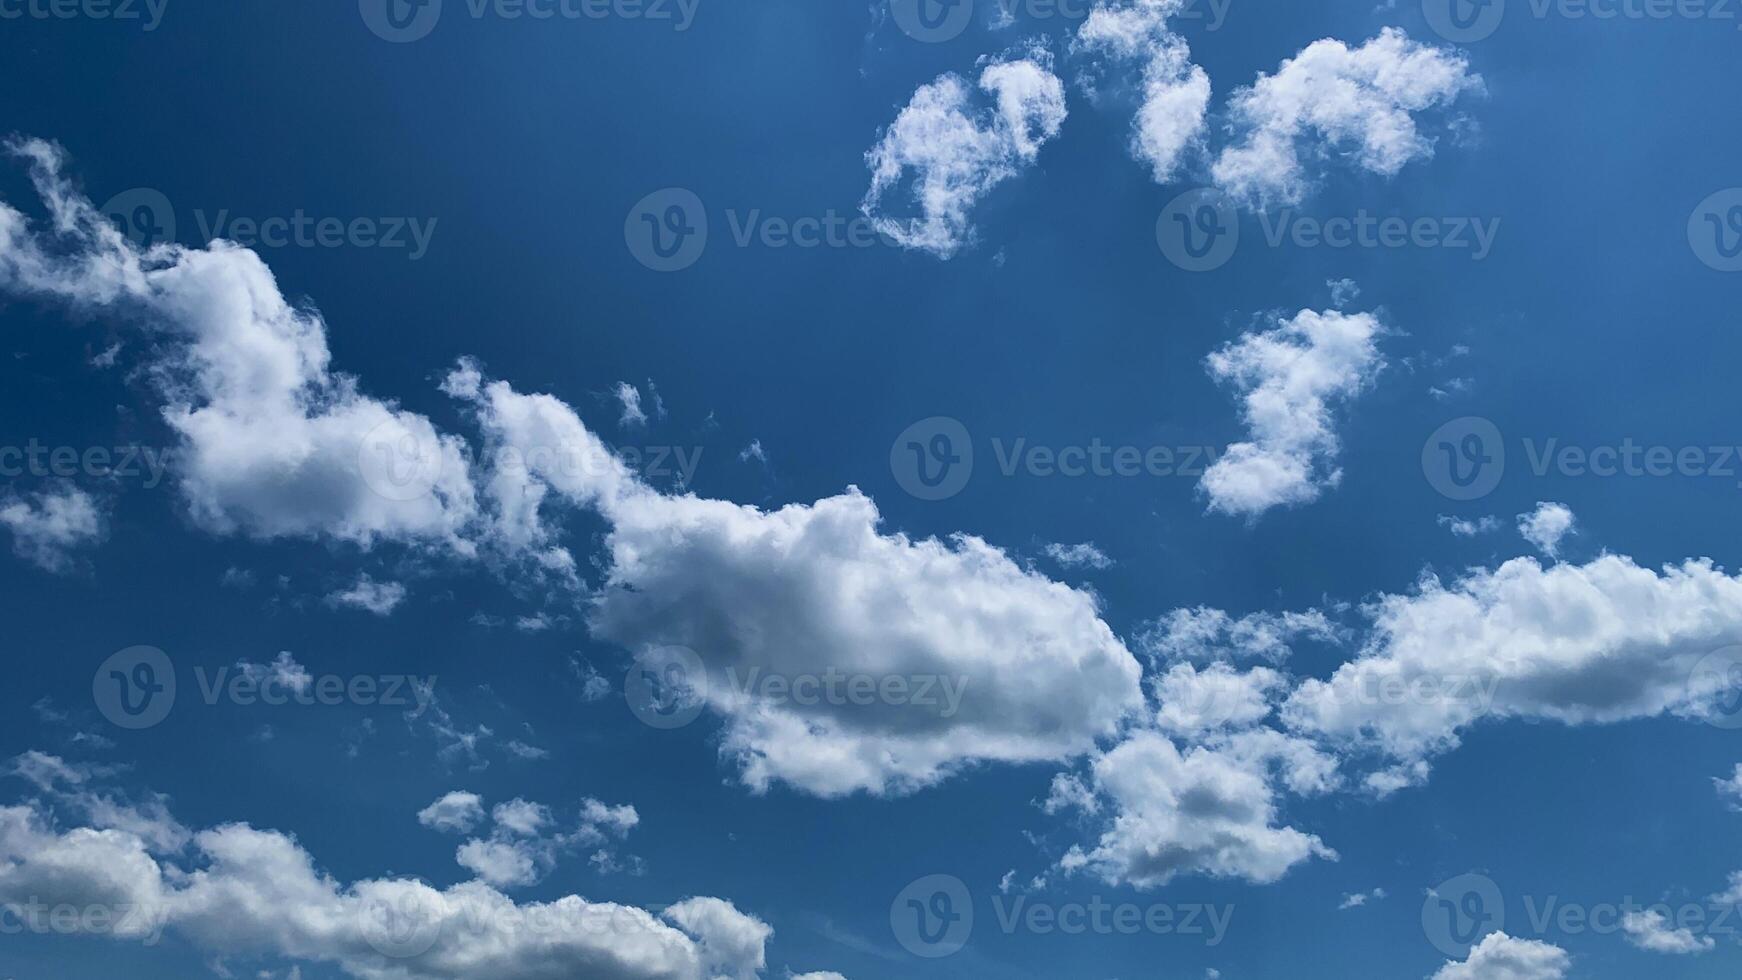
(969, 557)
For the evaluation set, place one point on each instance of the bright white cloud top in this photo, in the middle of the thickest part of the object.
(1175, 94)
(1501, 957)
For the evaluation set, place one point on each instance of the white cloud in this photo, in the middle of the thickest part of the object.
(1204, 633)
(1288, 378)
(1602, 642)
(1194, 702)
(1079, 555)
(1731, 895)
(1650, 930)
(502, 862)
(1545, 526)
(1201, 812)
(810, 588)
(48, 527)
(283, 672)
(1330, 98)
(380, 598)
(274, 442)
(1175, 93)
(1464, 528)
(1731, 788)
(1359, 899)
(630, 397)
(1500, 957)
(950, 153)
(456, 812)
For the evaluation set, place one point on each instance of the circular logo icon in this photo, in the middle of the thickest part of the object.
(135, 687)
(1199, 230)
(1464, 21)
(1460, 911)
(666, 687)
(406, 923)
(1715, 230)
(400, 461)
(933, 916)
(400, 21)
(933, 458)
(667, 230)
(143, 214)
(931, 21)
(1465, 458)
(1715, 687)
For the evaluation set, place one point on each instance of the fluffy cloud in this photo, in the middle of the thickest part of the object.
(455, 812)
(1084, 555)
(1195, 702)
(254, 892)
(1500, 957)
(1331, 98)
(1545, 526)
(1204, 811)
(815, 588)
(1287, 378)
(274, 442)
(1651, 930)
(1730, 788)
(950, 152)
(1175, 93)
(380, 598)
(1203, 633)
(47, 527)
(1601, 642)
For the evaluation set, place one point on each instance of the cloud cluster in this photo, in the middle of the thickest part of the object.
(1175, 94)
(948, 151)
(1288, 378)
(47, 528)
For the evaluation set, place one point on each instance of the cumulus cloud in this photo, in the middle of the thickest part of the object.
(1360, 103)
(1606, 641)
(1545, 526)
(1651, 930)
(1203, 811)
(456, 812)
(1195, 702)
(1175, 94)
(1084, 555)
(1288, 378)
(949, 148)
(256, 892)
(48, 527)
(380, 598)
(1500, 957)
(1204, 633)
(1730, 788)
(274, 442)
(1464, 528)
(814, 588)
